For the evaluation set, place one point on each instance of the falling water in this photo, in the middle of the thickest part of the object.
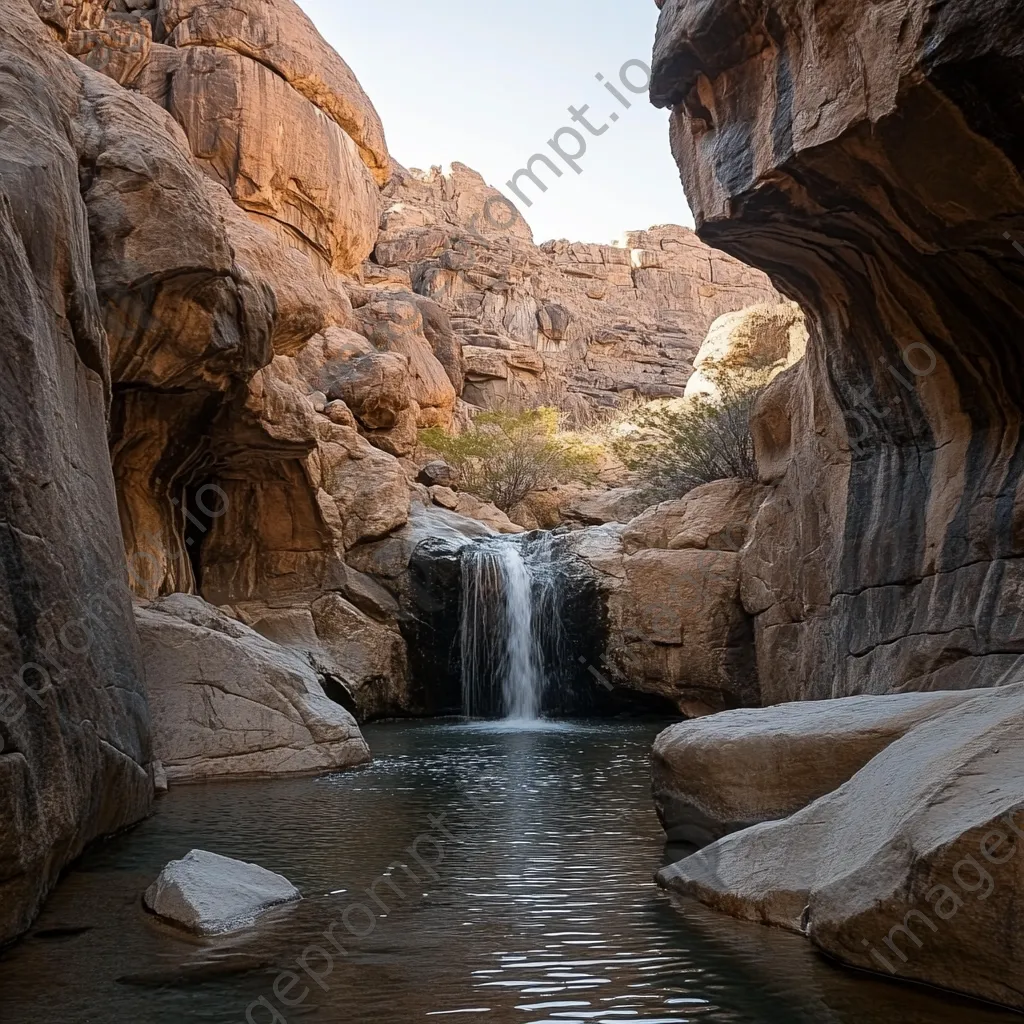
(509, 615)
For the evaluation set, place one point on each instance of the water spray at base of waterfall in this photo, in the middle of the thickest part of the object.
(510, 618)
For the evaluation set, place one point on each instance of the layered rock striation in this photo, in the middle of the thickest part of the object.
(564, 322)
(887, 556)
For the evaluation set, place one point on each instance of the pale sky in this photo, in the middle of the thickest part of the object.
(488, 84)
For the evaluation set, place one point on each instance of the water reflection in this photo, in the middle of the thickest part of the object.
(531, 902)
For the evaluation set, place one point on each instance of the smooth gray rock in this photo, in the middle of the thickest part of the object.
(208, 894)
(913, 869)
(723, 773)
(227, 701)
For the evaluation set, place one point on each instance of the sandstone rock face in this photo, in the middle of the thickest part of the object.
(74, 741)
(308, 184)
(910, 869)
(302, 487)
(366, 649)
(728, 771)
(396, 324)
(564, 321)
(888, 556)
(276, 34)
(676, 628)
(227, 701)
(750, 346)
(210, 895)
(182, 186)
(179, 310)
(714, 517)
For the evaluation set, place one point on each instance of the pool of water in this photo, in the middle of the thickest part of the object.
(525, 898)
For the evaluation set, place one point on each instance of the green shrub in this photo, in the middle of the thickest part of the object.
(506, 455)
(672, 447)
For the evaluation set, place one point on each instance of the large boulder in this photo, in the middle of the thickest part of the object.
(393, 322)
(748, 348)
(227, 701)
(374, 386)
(615, 505)
(912, 869)
(713, 517)
(74, 726)
(670, 579)
(677, 630)
(726, 772)
(366, 651)
(207, 894)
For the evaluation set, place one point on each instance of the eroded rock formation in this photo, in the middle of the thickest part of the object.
(669, 581)
(165, 267)
(887, 556)
(563, 319)
(748, 348)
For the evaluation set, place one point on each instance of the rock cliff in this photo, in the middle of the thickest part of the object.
(73, 717)
(563, 322)
(169, 258)
(887, 556)
(867, 157)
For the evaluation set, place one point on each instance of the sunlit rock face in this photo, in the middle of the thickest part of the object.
(867, 157)
(572, 323)
(669, 581)
(183, 188)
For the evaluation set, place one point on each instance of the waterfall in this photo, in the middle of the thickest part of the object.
(510, 619)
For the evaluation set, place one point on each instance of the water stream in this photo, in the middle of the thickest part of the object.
(510, 620)
(536, 905)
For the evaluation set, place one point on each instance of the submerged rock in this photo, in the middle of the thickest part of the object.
(209, 895)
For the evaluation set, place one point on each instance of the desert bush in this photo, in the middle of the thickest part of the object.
(673, 446)
(506, 455)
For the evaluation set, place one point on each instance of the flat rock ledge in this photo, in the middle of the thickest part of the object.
(208, 894)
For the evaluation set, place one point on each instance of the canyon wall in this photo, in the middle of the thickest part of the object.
(568, 323)
(227, 313)
(866, 157)
(168, 258)
(74, 741)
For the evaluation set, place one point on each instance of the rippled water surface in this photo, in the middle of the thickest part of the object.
(531, 902)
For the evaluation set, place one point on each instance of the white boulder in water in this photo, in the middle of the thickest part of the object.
(209, 894)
